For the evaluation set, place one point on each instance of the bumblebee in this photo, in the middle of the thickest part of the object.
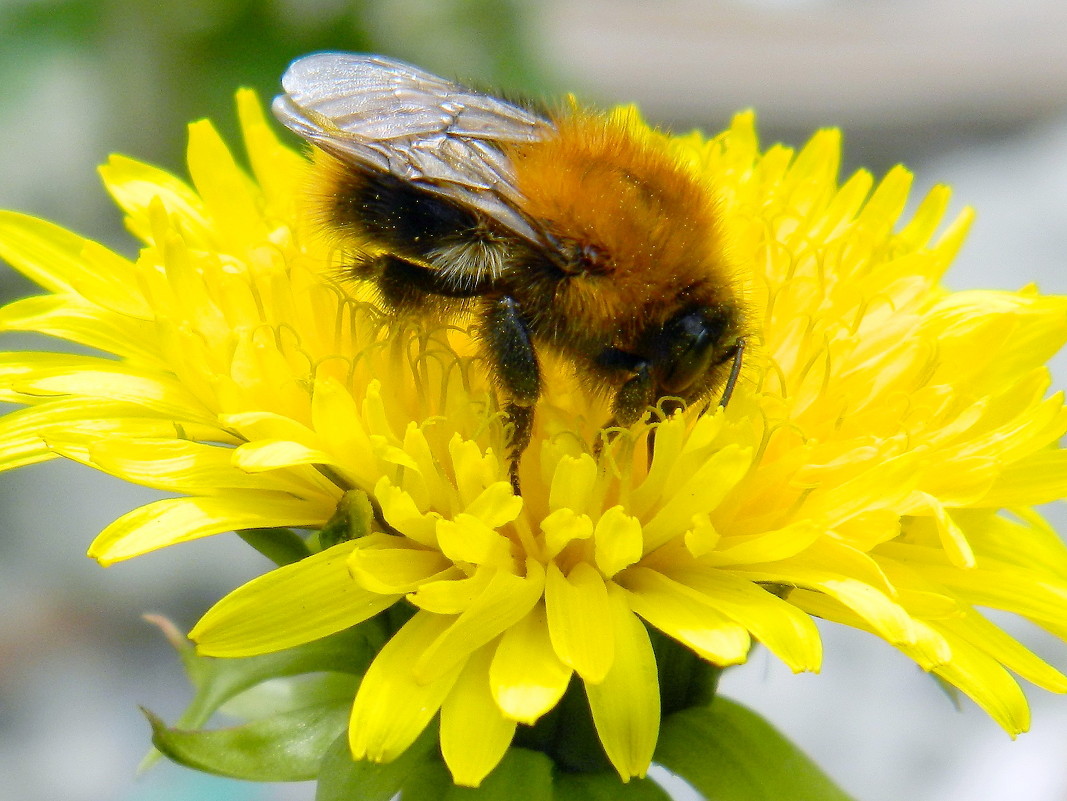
(566, 232)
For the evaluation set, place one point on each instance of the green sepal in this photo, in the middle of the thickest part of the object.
(283, 546)
(342, 778)
(521, 774)
(419, 774)
(606, 787)
(215, 681)
(290, 693)
(353, 518)
(729, 753)
(286, 747)
(685, 679)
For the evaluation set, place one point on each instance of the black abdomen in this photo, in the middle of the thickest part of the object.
(399, 217)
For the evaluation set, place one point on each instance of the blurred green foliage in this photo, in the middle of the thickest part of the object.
(165, 62)
(85, 78)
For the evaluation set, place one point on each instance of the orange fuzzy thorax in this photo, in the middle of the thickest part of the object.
(601, 183)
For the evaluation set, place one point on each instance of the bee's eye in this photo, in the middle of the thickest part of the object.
(689, 342)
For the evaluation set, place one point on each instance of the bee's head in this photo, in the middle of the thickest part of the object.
(689, 346)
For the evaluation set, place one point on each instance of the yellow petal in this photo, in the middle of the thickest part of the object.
(468, 539)
(1006, 650)
(506, 599)
(175, 520)
(686, 615)
(670, 439)
(228, 195)
(278, 169)
(562, 527)
(699, 493)
(618, 541)
(400, 512)
(288, 606)
(73, 319)
(766, 546)
(23, 432)
(452, 594)
(388, 564)
(496, 505)
(335, 414)
(178, 465)
(393, 707)
(572, 483)
(1039, 478)
(889, 619)
(474, 470)
(702, 538)
(474, 733)
(925, 642)
(954, 541)
(269, 426)
(890, 196)
(577, 606)
(65, 263)
(989, 685)
(526, 676)
(786, 631)
(34, 376)
(1008, 588)
(136, 187)
(926, 219)
(626, 704)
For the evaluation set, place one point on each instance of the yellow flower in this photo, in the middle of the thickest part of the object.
(876, 466)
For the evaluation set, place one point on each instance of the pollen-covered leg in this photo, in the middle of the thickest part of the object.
(630, 403)
(634, 396)
(522, 420)
(506, 337)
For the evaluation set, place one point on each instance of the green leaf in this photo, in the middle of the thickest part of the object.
(521, 774)
(218, 680)
(341, 778)
(606, 787)
(215, 681)
(282, 748)
(729, 753)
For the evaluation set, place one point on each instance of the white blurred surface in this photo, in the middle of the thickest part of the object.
(886, 62)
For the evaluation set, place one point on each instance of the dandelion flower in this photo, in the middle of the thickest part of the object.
(877, 466)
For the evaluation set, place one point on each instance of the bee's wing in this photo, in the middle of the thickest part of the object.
(387, 115)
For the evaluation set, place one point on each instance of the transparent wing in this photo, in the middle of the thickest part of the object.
(390, 116)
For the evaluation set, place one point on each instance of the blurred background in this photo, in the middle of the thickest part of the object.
(967, 92)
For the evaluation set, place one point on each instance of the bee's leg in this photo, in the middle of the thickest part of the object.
(633, 397)
(522, 420)
(506, 337)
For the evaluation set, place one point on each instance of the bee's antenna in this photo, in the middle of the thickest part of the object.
(735, 371)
